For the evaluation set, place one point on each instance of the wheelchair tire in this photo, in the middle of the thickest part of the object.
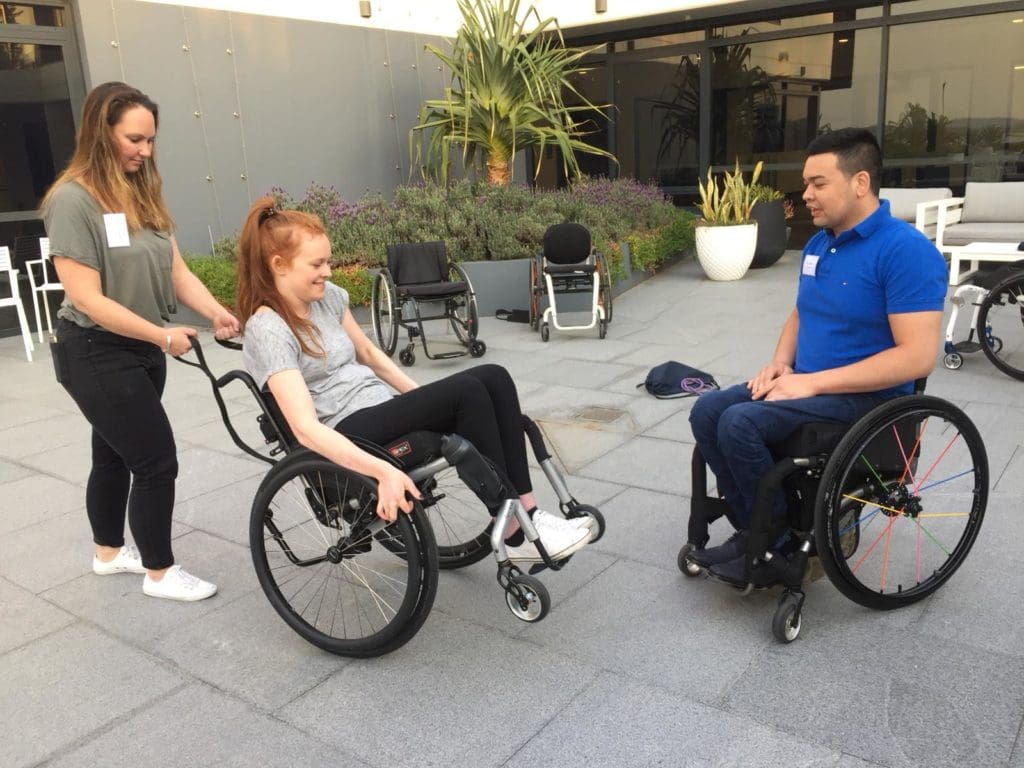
(527, 598)
(384, 312)
(911, 478)
(462, 311)
(786, 621)
(536, 290)
(604, 297)
(326, 575)
(1000, 326)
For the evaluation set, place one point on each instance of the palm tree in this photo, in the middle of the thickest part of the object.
(506, 94)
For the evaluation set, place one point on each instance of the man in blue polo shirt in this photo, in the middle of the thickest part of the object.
(865, 326)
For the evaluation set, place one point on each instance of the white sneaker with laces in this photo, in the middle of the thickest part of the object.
(584, 523)
(560, 539)
(178, 584)
(128, 560)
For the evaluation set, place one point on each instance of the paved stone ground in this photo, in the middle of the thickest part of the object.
(635, 666)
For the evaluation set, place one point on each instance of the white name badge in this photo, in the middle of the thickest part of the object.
(810, 265)
(117, 230)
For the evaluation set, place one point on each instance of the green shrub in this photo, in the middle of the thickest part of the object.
(216, 273)
(357, 281)
(650, 249)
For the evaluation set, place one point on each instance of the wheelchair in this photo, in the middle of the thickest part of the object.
(997, 323)
(568, 265)
(890, 505)
(349, 582)
(420, 273)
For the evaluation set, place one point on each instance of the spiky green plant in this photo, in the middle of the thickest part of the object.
(508, 91)
(729, 202)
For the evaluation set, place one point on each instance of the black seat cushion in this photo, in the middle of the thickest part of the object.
(810, 440)
(441, 290)
(569, 269)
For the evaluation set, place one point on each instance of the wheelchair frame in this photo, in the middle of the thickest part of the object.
(411, 538)
(981, 337)
(821, 500)
(389, 300)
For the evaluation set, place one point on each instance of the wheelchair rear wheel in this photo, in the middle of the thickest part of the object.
(461, 523)
(1000, 326)
(462, 311)
(901, 501)
(604, 297)
(339, 579)
(536, 291)
(384, 312)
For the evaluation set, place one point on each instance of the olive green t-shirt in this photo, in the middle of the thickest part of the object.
(136, 276)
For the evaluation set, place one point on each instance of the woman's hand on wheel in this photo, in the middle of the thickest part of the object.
(395, 491)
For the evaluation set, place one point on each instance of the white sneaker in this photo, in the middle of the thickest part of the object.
(559, 538)
(178, 584)
(586, 522)
(128, 560)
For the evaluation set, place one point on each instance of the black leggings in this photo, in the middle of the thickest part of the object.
(117, 383)
(480, 404)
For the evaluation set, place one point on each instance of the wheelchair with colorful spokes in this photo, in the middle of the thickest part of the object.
(346, 580)
(890, 505)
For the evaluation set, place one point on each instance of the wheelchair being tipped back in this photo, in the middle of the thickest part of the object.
(891, 505)
(353, 584)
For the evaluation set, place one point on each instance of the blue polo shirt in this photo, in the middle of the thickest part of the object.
(850, 284)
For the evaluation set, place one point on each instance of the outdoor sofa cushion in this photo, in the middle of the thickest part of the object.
(993, 202)
(983, 232)
(903, 201)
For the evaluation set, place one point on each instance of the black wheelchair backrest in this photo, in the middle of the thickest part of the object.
(567, 243)
(415, 263)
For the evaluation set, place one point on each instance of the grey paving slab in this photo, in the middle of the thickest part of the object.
(48, 433)
(117, 604)
(883, 696)
(17, 411)
(223, 512)
(33, 498)
(68, 462)
(645, 462)
(425, 706)
(10, 471)
(245, 649)
(577, 444)
(80, 679)
(200, 726)
(48, 553)
(645, 526)
(591, 375)
(201, 470)
(25, 617)
(619, 723)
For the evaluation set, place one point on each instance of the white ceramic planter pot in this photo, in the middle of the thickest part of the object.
(725, 252)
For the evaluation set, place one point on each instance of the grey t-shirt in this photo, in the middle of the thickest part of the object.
(340, 386)
(136, 276)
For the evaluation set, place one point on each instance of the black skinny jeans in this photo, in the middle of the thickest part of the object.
(117, 383)
(480, 404)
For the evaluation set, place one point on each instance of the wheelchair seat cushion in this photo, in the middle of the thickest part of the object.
(439, 290)
(569, 269)
(810, 440)
(415, 448)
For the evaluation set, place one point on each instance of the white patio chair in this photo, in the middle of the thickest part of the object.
(14, 300)
(43, 280)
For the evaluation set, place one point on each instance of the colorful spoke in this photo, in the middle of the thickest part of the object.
(872, 470)
(913, 452)
(935, 463)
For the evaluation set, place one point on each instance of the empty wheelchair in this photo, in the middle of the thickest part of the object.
(568, 265)
(420, 277)
(890, 505)
(349, 582)
(997, 322)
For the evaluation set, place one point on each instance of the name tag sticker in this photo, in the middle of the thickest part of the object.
(117, 230)
(810, 265)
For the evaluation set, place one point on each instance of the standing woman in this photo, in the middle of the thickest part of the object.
(123, 276)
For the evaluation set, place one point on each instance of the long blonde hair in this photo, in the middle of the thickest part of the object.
(96, 162)
(268, 232)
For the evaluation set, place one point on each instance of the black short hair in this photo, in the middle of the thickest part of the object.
(856, 150)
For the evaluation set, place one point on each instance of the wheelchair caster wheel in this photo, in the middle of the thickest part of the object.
(477, 348)
(527, 598)
(406, 357)
(995, 344)
(953, 361)
(687, 566)
(602, 329)
(786, 622)
(581, 510)
(545, 333)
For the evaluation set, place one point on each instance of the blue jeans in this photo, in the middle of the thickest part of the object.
(733, 433)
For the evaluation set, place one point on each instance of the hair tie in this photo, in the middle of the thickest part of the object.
(266, 213)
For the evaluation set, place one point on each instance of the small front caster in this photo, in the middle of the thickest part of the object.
(686, 565)
(544, 332)
(953, 361)
(477, 348)
(407, 357)
(527, 598)
(786, 622)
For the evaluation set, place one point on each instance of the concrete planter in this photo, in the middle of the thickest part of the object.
(725, 252)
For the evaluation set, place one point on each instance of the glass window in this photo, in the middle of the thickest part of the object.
(657, 119)
(770, 99)
(918, 6)
(32, 15)
(657, 41)
(797, 22)
(955, 102)
(37, 128)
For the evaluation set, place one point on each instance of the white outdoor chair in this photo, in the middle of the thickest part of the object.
(43, 280)
(14, 300)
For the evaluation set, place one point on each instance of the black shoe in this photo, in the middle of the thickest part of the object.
(735, 546)
(732, 571)
(765, 574)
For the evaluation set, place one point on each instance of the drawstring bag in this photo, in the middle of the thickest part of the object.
(674, 379)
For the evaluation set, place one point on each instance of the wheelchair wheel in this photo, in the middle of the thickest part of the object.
(335, 576)
(786, 620)
(462, 310)
(461, 523)
(604, 296)
(384, 312)
(901, 501)
(527, 598)
(1000, 326)
(536, 290)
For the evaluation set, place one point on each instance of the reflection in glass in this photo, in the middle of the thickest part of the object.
(32, 15)
(37, 129)
(953, 119)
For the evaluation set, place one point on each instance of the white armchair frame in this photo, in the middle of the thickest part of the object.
(14, 300)
(42, 284)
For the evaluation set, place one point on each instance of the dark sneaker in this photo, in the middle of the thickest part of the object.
(732, 571)
(735, 546)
